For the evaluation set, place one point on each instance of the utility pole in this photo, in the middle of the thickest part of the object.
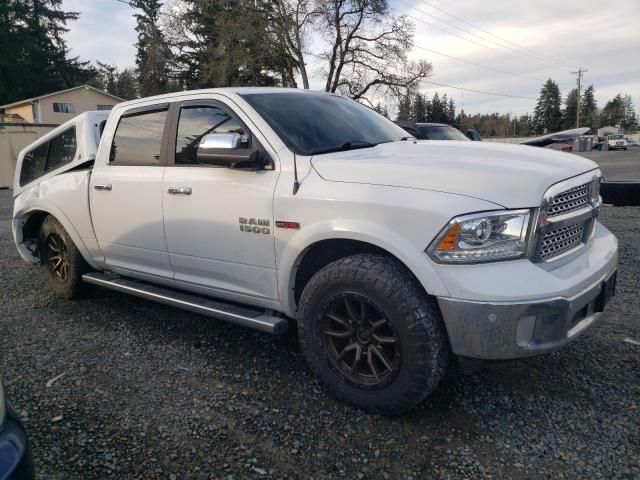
(579, 74)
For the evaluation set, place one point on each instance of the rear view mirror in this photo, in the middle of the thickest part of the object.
(225, 150)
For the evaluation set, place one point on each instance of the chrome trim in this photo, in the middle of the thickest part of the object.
(490, 330)
(179, 191)
(227, 141)
(105, 186)
(585, 215)
(248, 317)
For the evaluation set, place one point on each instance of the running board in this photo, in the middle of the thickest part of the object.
(247, 317)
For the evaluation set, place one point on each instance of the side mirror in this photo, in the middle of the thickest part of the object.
(224, 150)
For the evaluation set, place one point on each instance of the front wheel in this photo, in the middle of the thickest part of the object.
(371, 334)
(61, 261)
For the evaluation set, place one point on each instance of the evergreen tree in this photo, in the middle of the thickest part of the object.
(228, 43)
(419, 108)
(589, 108)
(428, 110)
(547, 114)
(153, 52)
(630, 121)
(437, 111)
(34, 58)
(451, 112)
(405, 108)
(613, 113)
(569, 114)
(381, 109)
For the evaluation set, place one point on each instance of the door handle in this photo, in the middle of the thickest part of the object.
(179, 191)
(104, 186)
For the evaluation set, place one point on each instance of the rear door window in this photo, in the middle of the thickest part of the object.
(138, 139)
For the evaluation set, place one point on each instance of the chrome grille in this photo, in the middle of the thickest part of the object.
(560, 240)
(570, 200)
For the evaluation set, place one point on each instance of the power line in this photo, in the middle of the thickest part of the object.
(519, 56)
(477, 64)
(492, 34)
(478, 91)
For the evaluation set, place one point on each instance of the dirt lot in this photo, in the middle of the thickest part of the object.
(619, 164)
(153, 392)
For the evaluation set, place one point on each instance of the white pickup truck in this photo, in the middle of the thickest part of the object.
(265, 206)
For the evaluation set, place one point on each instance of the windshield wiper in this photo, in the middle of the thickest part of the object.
(351, 145)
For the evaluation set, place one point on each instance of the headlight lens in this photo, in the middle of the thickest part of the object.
(483, 237)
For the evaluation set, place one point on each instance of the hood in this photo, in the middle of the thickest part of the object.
(513, 176)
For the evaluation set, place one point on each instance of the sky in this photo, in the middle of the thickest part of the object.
(517, 44)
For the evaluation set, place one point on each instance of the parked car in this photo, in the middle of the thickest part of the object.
(265, 206)
(15, 451)
(432, 131)
(616, 142)
(632, 142)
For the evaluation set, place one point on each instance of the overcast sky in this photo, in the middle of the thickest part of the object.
(548, 39)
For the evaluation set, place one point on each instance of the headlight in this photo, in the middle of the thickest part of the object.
(483, 237)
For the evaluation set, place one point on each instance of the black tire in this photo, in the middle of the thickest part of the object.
(421, 349)
(55, 246)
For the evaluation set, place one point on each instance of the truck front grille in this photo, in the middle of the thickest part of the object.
(570, 200)
(570, 217)
(558, 241)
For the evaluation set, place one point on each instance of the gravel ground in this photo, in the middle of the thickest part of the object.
(153, 392)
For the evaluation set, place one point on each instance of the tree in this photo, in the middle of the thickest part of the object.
(382, 110)
(123, 84)
(630, 121)
(419, 108)
(291, 21)
(547, 114)
(225, 43)
(569, 114)
(451, 112)
(153, 53)
(589, 108)
(613, 112)
(34, 58)
(367, 49)
(437, 109)
(405, 107)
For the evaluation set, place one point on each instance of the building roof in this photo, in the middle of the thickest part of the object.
(85, 87)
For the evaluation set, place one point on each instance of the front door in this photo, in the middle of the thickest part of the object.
(126, 195)
(218, 220)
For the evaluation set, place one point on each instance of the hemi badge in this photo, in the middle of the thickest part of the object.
(282, 224)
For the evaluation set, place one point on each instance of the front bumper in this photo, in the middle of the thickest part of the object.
(16, 462)
(510, 330)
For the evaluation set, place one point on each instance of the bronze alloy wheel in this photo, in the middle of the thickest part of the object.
(359, 341)
(57, 257)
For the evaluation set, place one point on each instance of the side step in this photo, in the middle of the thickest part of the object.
(246, 316)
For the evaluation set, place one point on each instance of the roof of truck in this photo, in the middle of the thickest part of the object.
(235, 90)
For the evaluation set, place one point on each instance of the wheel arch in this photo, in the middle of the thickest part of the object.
(26, 227)
(319, 252)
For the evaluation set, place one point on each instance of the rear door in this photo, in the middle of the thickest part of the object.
(218, 220)
(126, 194)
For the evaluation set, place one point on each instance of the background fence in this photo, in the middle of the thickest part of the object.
(13, 138)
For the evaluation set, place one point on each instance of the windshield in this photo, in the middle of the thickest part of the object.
(440, 132)
(616, 137)
(310, 124)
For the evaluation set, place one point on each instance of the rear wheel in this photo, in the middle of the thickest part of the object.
(371, 334)
(62, 263)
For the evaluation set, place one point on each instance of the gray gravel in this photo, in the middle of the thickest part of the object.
(153, 392)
